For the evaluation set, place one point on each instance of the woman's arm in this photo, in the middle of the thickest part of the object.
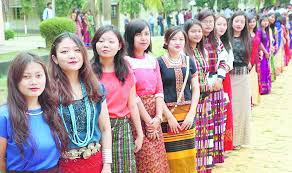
(106, 137)
(3, 145)
(188, 122)
(135, 117)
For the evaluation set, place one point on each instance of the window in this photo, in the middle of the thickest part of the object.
(17, 13)
(114, 11)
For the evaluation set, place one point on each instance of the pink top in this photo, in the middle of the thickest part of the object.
(147, 73)
(117, 93)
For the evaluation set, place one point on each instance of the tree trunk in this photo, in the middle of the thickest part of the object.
(25, 24)
(106, 12)
(1, 24)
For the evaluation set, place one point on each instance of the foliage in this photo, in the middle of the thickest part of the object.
(40, 6)
(227, 3)
(26, 7)
(9, 34)
(64, 7)
(131, 7)
(153, 4)
(209, 3)
(53, 27)
(268, 3)
(170, 5)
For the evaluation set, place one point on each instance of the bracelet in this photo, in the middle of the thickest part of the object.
(159, 117)
(107, 155)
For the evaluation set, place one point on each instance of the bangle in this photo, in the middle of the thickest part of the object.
(107, 155)
(159, 117)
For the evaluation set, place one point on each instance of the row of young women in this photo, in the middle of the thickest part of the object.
(131, 113)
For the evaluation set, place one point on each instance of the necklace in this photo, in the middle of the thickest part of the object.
(34, 114)
(89, 125)
(176, 61)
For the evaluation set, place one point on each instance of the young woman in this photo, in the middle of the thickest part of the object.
(265, 74)
(82, 107)
(152, 156)
(254, 59)
(31, 134)
(227, 52)
(240, 81)
(181, 95)
(113, 71)
(275, 61)
(204, 123)
(85, 30)
(217, 72)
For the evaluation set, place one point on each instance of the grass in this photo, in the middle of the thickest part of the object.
(11, 55)
(157, 43)
(3, 89)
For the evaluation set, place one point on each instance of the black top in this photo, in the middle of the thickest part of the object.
(173, 76)
(239, 53)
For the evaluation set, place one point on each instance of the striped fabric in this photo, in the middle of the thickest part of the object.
(180, 148)
(204, 121)
(122, 146)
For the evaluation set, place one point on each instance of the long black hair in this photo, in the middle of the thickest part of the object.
(244, 36)
(201, 16)
(187, 27)
(134, 27)
(224, 38)
(120, 64)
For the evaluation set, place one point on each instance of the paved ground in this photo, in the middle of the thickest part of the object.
(22, 44)
(270, 150)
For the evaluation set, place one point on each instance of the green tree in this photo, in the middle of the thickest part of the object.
(40, 5)
(209, 3)
(25, 11)
(153, 4)
(131, 7)
(64, 7)
(268, 3)
(170, 5)
(227, 3)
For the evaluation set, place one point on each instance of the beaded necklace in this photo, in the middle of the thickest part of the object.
(89, 125)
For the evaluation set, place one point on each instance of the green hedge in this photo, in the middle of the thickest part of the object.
(9, 34)
(53, 27)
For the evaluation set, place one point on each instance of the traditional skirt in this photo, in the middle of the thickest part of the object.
(122, 146)
(273, 68)
(152, 156)
(255, 94)
(55, 169)
(219, 114)
(204, 136)
(180, 148)
(92, 164)
(228, 135)
(265, 76)
(279, 62)
(241, 106)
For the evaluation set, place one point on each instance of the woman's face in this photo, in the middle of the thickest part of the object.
(220, 26)
(177, 43)
(68, 55)
(195, 34)
(252, 24)
(142, 40)
(238, 23)
(208, 25)
(272, 19)
(108, 45)
(33, 81)
(265, 23)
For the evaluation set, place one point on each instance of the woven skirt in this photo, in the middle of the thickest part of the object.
(180, 148)
(92, 164)
(204, 141)
(255, 94)
(152, 156)
(122, 146)
(219, 114)
(241, 107)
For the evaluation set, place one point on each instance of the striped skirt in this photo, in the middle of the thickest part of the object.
(204, 136)
(180, 148)
(152, 156)
(122, 146)
(218, 112)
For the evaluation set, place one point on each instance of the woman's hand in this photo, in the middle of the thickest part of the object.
(217, 85)
(188, 122)
(173, 125)
(138, 143)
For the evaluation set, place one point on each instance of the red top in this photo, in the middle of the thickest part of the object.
(117, 93)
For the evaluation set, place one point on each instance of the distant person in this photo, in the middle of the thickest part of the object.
(160, 24)
(151, 23)
(48, 12)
